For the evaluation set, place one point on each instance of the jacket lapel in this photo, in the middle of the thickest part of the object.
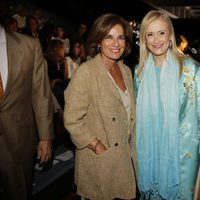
(106, 80)
(105, 77)
(15, 57)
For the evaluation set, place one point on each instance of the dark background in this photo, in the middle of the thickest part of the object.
(76, 11)
(73, 12)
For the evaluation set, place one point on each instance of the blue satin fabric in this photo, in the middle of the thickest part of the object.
(188, 137)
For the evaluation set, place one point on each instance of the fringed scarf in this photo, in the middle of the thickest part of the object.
(157, 139)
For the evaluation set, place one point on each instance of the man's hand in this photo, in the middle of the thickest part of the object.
(44, 150)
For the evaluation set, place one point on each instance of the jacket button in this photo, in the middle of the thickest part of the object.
(113, 119)
(116, 144)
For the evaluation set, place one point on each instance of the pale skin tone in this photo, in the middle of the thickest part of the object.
(158, 40)
(111, 48)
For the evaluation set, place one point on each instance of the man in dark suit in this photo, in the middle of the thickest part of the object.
(26, 113)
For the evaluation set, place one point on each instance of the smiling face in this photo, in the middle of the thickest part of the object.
(157, 38)
(113, 45)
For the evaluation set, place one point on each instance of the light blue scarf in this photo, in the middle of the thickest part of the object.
(157, 139)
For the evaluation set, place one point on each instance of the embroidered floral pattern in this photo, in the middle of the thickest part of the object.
(189, 135)
(189, 83)
(189, 155)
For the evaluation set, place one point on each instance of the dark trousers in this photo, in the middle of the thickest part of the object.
(15, 179)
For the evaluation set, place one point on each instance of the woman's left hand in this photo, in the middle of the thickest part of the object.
(100, 148)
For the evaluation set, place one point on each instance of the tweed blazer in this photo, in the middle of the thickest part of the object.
(27, 106)
(94, 109)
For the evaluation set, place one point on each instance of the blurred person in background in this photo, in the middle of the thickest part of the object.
(60, 35)
(20, 16)
(182, 43)
(75, 58)
(57, 69)
(32, 27)
(11, 24)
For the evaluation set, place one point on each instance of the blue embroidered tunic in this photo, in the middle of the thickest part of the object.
(189, 128)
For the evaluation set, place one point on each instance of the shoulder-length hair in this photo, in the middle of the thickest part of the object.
(101, 28)
(144, 52)
(53, 49)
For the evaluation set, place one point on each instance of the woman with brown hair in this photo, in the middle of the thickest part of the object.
(100, 114)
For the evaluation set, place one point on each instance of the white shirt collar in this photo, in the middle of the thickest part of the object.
(3, 57)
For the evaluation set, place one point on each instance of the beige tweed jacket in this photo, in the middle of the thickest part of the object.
(94, 109)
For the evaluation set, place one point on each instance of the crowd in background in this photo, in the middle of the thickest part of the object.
(64, 53)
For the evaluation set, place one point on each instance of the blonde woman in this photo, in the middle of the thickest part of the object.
(167, 84)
